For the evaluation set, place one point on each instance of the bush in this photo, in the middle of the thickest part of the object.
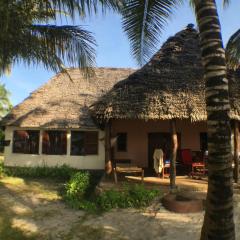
(136, 196)
(1, 169)
(140, 196)
(63, 172)
(112, 199)
(80, 189)
(77, 187)
(79, 194)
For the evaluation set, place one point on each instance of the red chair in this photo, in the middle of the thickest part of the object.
(186, 157)
(197, 168)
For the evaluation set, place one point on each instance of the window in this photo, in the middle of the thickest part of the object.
(203, 141)
(54, 142)
(84, 143)
(26, 141)
(122, 142)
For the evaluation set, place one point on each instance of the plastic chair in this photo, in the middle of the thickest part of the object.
(196, 168)
(166, 168)
(186, 157)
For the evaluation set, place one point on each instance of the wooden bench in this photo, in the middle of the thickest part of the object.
(125, 166)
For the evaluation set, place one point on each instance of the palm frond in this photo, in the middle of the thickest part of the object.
(233, 50)
(143, 22)
(5, 104)
(192, 3)
(72, 44)
(226, 3)
(81, 6)
(23, 38)
(53, 46)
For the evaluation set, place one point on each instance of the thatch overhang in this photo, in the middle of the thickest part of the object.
(64, 102)
(170, 86)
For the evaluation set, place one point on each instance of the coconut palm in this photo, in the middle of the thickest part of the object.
(28, 33)
(5, 104)
(143, 21)
(233, 50)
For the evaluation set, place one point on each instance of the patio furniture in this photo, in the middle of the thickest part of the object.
(126, 167)
(166, 169)
(197, 169)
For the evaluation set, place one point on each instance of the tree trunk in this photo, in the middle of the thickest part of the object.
(174, 147)
(218, 221)
(108, 160)
(236, 151)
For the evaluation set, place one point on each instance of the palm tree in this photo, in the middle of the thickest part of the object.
(5, 104)
(5, 107)
(28, 33)
(143, 21)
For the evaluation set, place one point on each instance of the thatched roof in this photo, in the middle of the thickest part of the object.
(170, 85)
(64, 102)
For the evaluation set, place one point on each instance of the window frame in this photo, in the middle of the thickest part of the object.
(84, 143)
(14, 151)
(63, 152)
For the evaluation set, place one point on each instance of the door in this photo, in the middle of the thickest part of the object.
(158, 140)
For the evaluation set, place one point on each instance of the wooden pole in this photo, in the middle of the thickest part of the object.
(174, 147)
(236, 151)
(108, 160)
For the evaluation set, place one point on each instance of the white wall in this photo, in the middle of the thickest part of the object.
(32, 160)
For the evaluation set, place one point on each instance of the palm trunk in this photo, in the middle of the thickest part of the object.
(218, 220)
(236, 151)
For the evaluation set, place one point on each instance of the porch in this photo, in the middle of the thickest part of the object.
(134, 142)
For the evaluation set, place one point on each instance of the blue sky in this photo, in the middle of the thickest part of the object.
(113, 48)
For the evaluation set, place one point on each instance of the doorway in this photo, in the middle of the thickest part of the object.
(158, 140)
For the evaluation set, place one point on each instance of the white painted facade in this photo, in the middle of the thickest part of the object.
(32, 160)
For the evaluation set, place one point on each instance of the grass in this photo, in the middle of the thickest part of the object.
(18, 210)
(25, 203)
(8, 232)
(47, 188)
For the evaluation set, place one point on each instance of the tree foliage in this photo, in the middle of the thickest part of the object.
(233, 50)
(29, 33)
(144, 20)
(5, 104)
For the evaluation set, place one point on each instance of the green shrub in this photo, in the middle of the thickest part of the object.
(112, 199)
(63, 172)
(83, 204)
(80, 189)
(77, 187)
(1, 169)
(136, 196)
(141, 196)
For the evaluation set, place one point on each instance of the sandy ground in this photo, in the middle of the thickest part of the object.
(33, 210)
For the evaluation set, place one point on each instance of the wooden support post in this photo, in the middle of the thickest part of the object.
(174, 147)
(108, 160)
(142, 177)
(115, 175)
(236, 151)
